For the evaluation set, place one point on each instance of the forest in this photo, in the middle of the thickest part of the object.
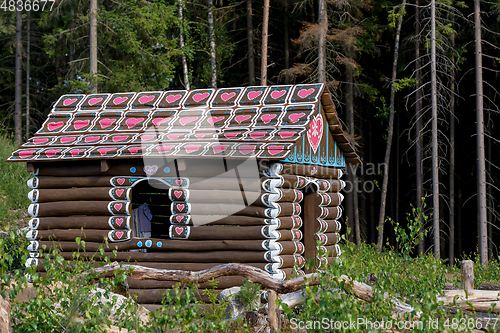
(414, 82)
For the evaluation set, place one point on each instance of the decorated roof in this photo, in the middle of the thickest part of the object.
(272, 122)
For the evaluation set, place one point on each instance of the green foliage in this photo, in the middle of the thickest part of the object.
(408, 240)
(404, 83)
(13, 189)
(13, 252)
(216, 309)
(395, 14)
(249, 294)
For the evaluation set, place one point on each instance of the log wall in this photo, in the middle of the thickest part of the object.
(208, 222)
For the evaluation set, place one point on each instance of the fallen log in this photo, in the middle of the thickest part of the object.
(489, 286)
(476, 300)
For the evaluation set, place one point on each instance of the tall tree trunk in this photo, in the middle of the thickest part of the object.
(28, 77)
(481, 169)
(323, 24)
(251, 51)
(435, 161)
(418, 127)
(387, 157)
(265, 36)
(211, 36)
(185, 70)
(71, 50)
(18, 128)
(287, 41)
(451, 253)
(350, 171)
(93, 44)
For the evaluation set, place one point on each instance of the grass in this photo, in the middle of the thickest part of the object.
(13, 189)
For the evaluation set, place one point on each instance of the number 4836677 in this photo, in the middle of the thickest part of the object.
(27, 5)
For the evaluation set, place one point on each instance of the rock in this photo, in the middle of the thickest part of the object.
(235, 308)
(4, 316)
(489, 286)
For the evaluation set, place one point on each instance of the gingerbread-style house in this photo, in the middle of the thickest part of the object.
(191, 179)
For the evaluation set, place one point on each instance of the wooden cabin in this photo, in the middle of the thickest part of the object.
(191, 179)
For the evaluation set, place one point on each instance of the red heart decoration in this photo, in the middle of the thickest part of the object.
(131, 122)
(257, 135)
(180, 207)
(118, 206)
(106, 122)
(315, 132)
(54, 125)
(226, 97)
(119, 234)
(120, 138)
(274, 150)
(179, 182)
(241, 119)
(164, 149)
(179, 230)
(178, 193)
(267, 118)
(174, 136)
(213, 120)
(119, 222)
(120, 181)
(254, 94)
(150, 169)
(76, 152)
(104, 151)
(294, 117)
(219, 148)
(186, 120)
(191, 148)
(119, 100)
(26, 153)
(52, 152)
(179, 218)
(119, 192)
(90, 138)
(286, 134)
(159, 121)
(245, 150)
(134, 150)
(40, 141)
(230, 135)
(277, 94)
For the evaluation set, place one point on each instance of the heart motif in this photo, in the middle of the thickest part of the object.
(178, 230)
(301, 182)
(52, 152)
(178, 182)
(80, 123)
(315, 132)
(159, 121)
(119, 222)
(267, 118)
(76, 152)
(55, 125)
(299, 245)
(134, 150)
(226, 97)
(294, 117)
(94, 100)
(69, 101)
(314, 171)
(201, 135)
(118, 206)
(245, 150)
(257, 135)
(285, 134)
(325, 184)
(119, 234)
(274, 150)
(213, 120)
(120, 181)
(106, 122)
(68, 139)
(180, 207)
(104, 151)
(145, 99)
(40, 141)
(297, 209)
(297, 234)
(173, 98)
(119, 192)
(178, 194)
(90, 138)
(174, 136)
(305, 92)
(119, 138)
(277, 94)
(230, 135)
(147, 137)
(119, 100)
(254, 94)
(191, 148)
(26, 153)
(131, 122)
(199, 97)
(179, 218)
(150, 169)
(241, 119)
(164, 149)
(186, 120)
(219, 148)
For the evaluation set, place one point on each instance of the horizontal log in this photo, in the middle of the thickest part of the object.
(331, 213)
(90, 235)
(68, 208)
(222, 232)
(68, 182)
(489, 286)
(285, 222)
(325, 239)
(282, 209)
(223, 283)
(331, 199)
(327, 226)
(215, 196)
(329, 251)
(155, 296)
(194, 257)
(225, 183)
(329, 185)
(78, 222)
(283, 247)
(75, 194)
(474, 300)
(305, 170)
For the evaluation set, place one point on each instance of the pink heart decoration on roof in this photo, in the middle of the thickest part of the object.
(106, 122)
(241, 119)
(267, 118)
(305, 92)
(69, 101)
(54, 125)
(90, 138)
(213, 120)
(294, 117)
(104, 151)
(191, 148)
(277, 94)
(227, 96)
(68, 139)
(199, 97)
(40, 141)
(94, 100)
(131, 122)
(52, 152)
(254, 94)
(145, 99)
(187, 120)
(173, 98)
(26, 153)
(159, 121)
(80, 124)
(119, 100)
